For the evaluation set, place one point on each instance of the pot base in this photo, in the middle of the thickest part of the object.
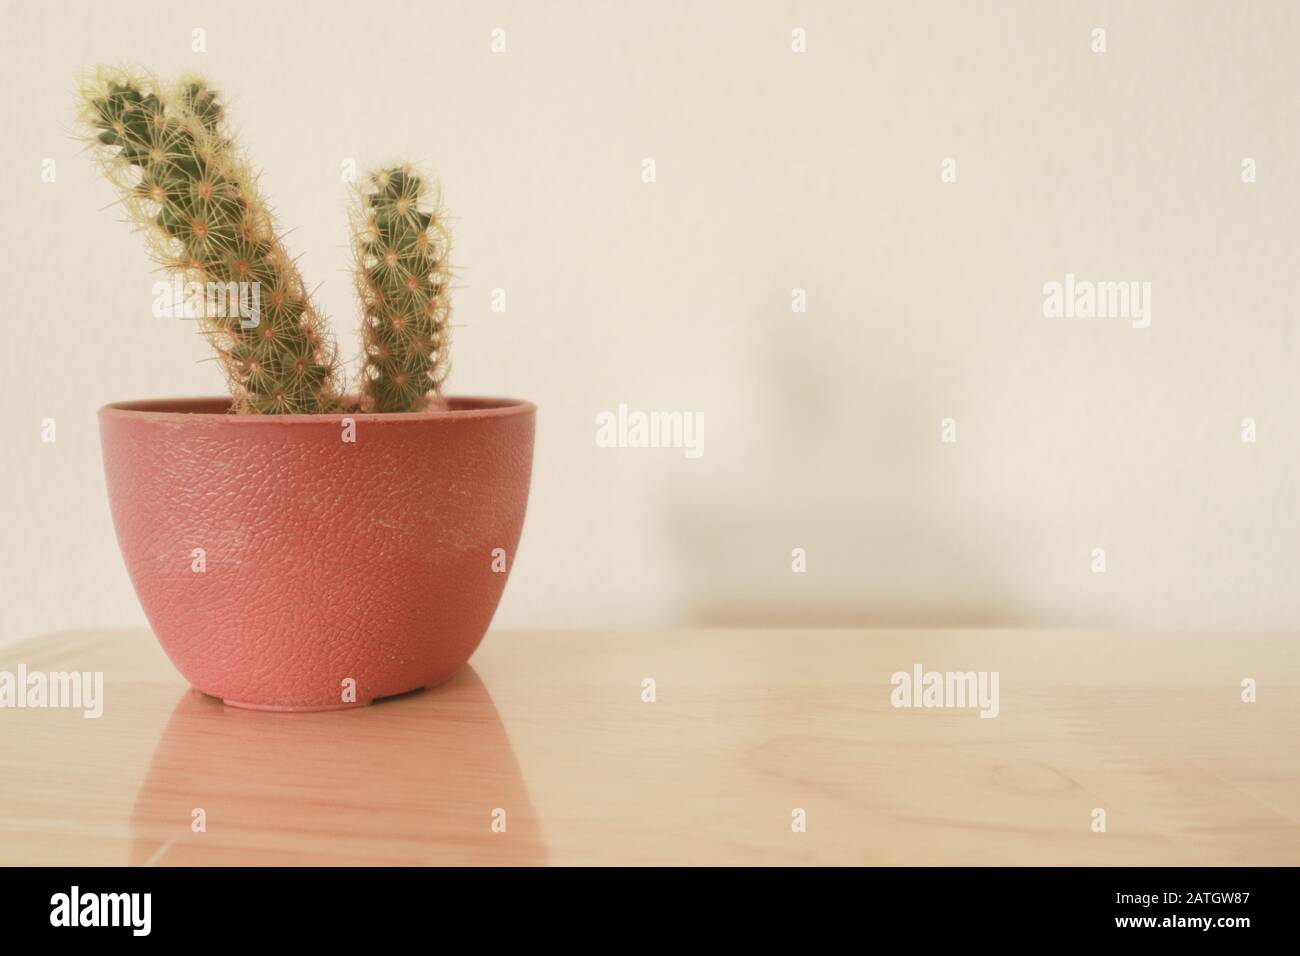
(316, 708)
(283, 709)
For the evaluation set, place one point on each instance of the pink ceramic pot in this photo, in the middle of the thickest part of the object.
(284, 567)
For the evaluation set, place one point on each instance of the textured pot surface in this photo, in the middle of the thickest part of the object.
(277, 561)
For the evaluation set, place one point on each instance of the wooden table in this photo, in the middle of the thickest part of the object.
(747, 728)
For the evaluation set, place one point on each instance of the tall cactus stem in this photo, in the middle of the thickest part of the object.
(185, 184)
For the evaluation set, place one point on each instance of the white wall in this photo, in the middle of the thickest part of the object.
(775, 170)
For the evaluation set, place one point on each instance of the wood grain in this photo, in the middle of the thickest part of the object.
(746, 727)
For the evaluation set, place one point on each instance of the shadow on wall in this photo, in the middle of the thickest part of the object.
(881, 508)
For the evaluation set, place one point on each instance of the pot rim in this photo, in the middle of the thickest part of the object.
(214, 409)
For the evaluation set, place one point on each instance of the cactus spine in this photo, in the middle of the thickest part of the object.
(401, 243)
(184, 183)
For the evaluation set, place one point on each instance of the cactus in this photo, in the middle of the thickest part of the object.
(401, 243)
(184, 183)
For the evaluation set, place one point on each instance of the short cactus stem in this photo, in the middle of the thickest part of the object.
(401, 246)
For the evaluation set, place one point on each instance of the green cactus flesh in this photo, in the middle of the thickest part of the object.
(401, 247)
(184, 183)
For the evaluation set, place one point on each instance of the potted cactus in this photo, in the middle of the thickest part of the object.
(301, 545)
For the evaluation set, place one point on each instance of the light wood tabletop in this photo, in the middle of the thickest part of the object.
(758, 747)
